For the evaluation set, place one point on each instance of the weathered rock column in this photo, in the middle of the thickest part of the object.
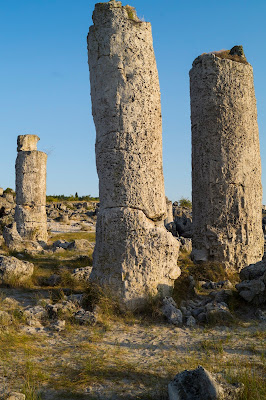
(134, 254)
(226, 168)
(30, 213)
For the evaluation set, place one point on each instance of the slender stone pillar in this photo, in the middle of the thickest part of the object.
(30, 213)
(134, 253)
(226, 167)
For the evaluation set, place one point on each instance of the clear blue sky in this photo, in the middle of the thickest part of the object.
(45, 80)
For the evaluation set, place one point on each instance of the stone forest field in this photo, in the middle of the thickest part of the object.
(63, 353)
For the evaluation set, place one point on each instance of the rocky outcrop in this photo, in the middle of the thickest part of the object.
(134, 254)
(30, 213)
(226, 169)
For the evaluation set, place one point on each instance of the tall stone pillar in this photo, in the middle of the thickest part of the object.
(134, 254)
(226, 167)
(30, 212)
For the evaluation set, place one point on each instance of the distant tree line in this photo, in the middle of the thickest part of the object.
(62, 197)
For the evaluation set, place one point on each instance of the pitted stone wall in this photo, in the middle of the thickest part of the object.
(30, 213)
(226, 168)
(127, 114)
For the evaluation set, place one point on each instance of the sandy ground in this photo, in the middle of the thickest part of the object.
(119, 359)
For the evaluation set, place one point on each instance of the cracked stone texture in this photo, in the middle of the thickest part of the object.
(127, 114)
(134, 255)
(30, 212)
(226, 167)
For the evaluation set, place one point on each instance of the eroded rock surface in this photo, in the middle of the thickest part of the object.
(226, 168)
(134, 253)
(30, 213)
(14, 270)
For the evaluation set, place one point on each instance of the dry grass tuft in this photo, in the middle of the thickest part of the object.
(225, 55)
(131, 12)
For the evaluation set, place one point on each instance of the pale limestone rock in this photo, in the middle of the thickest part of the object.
(169, 212)
(30, 213)
(226, 169)
(16, 396)
(13, 269)
(134, 254)
(127, 111)
(27, 142)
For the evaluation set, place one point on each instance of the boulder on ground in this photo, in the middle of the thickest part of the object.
(199, 384)
(61, 244)
(171, 312)
(12, 269)
(85, 317)
(82, 274)
(253, 271)
(253, 285)
(80, 245)
(218, 313)
(61, 310)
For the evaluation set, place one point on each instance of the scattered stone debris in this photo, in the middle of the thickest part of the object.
(205, 309)
(226, 284)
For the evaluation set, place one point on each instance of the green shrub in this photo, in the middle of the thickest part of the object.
(9, 190)
(185, 202)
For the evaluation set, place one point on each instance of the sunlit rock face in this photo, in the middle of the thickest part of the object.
(226, 166)
(134, 254)
(30, 213)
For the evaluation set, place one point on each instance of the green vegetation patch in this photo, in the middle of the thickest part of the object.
(61, 197)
